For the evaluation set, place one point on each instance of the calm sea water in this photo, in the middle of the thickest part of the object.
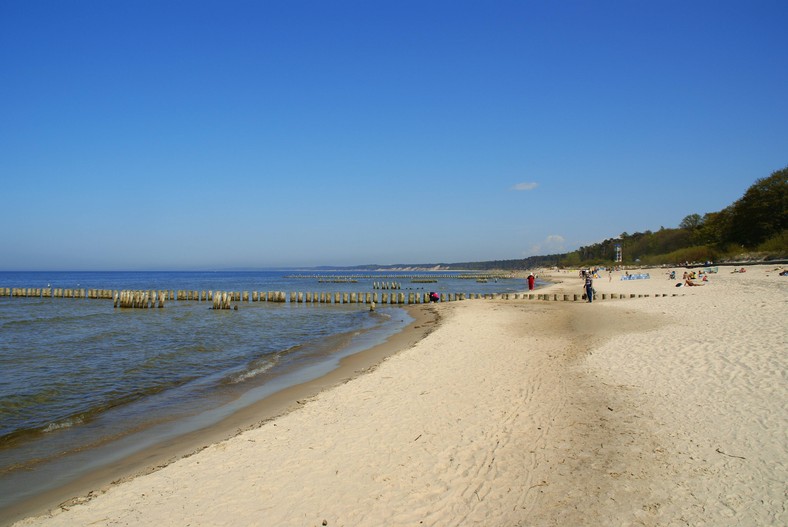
(78, 377)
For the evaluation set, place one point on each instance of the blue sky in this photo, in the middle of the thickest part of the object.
(211, 134)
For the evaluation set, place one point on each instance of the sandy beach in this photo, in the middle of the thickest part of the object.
(656, 410)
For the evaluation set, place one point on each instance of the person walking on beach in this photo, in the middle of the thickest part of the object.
(589, 285)
(531, 280)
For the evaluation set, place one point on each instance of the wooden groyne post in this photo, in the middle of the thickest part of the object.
(222, 300)
(139, 299)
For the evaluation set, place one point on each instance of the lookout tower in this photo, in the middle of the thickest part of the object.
(619, 254)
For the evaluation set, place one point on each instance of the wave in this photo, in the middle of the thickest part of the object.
(68, 423)
(21, 435)
(37, 427)
(253, 372)
(260, 365)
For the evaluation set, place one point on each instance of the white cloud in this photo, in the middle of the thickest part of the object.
(525, 186)
(553, 244)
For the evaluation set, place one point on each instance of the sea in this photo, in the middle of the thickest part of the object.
(84, 384)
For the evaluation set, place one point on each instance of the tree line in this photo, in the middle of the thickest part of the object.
(754, 226)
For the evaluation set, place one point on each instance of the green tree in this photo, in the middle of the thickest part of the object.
(715, 229)
(691, 222)
(762, 212)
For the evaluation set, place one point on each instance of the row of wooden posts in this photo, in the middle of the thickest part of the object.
(224, 299)
(39, 292)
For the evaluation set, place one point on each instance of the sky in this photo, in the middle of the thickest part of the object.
(180, 135)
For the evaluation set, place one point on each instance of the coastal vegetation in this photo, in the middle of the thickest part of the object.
(753, 228)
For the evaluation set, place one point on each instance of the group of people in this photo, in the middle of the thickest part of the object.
(689, 277)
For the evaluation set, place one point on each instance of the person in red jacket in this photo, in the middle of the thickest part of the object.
(531, 280)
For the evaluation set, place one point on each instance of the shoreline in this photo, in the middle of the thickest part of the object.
(649, 411)
(283, 401)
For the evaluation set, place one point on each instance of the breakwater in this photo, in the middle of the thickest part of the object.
(225, 299)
